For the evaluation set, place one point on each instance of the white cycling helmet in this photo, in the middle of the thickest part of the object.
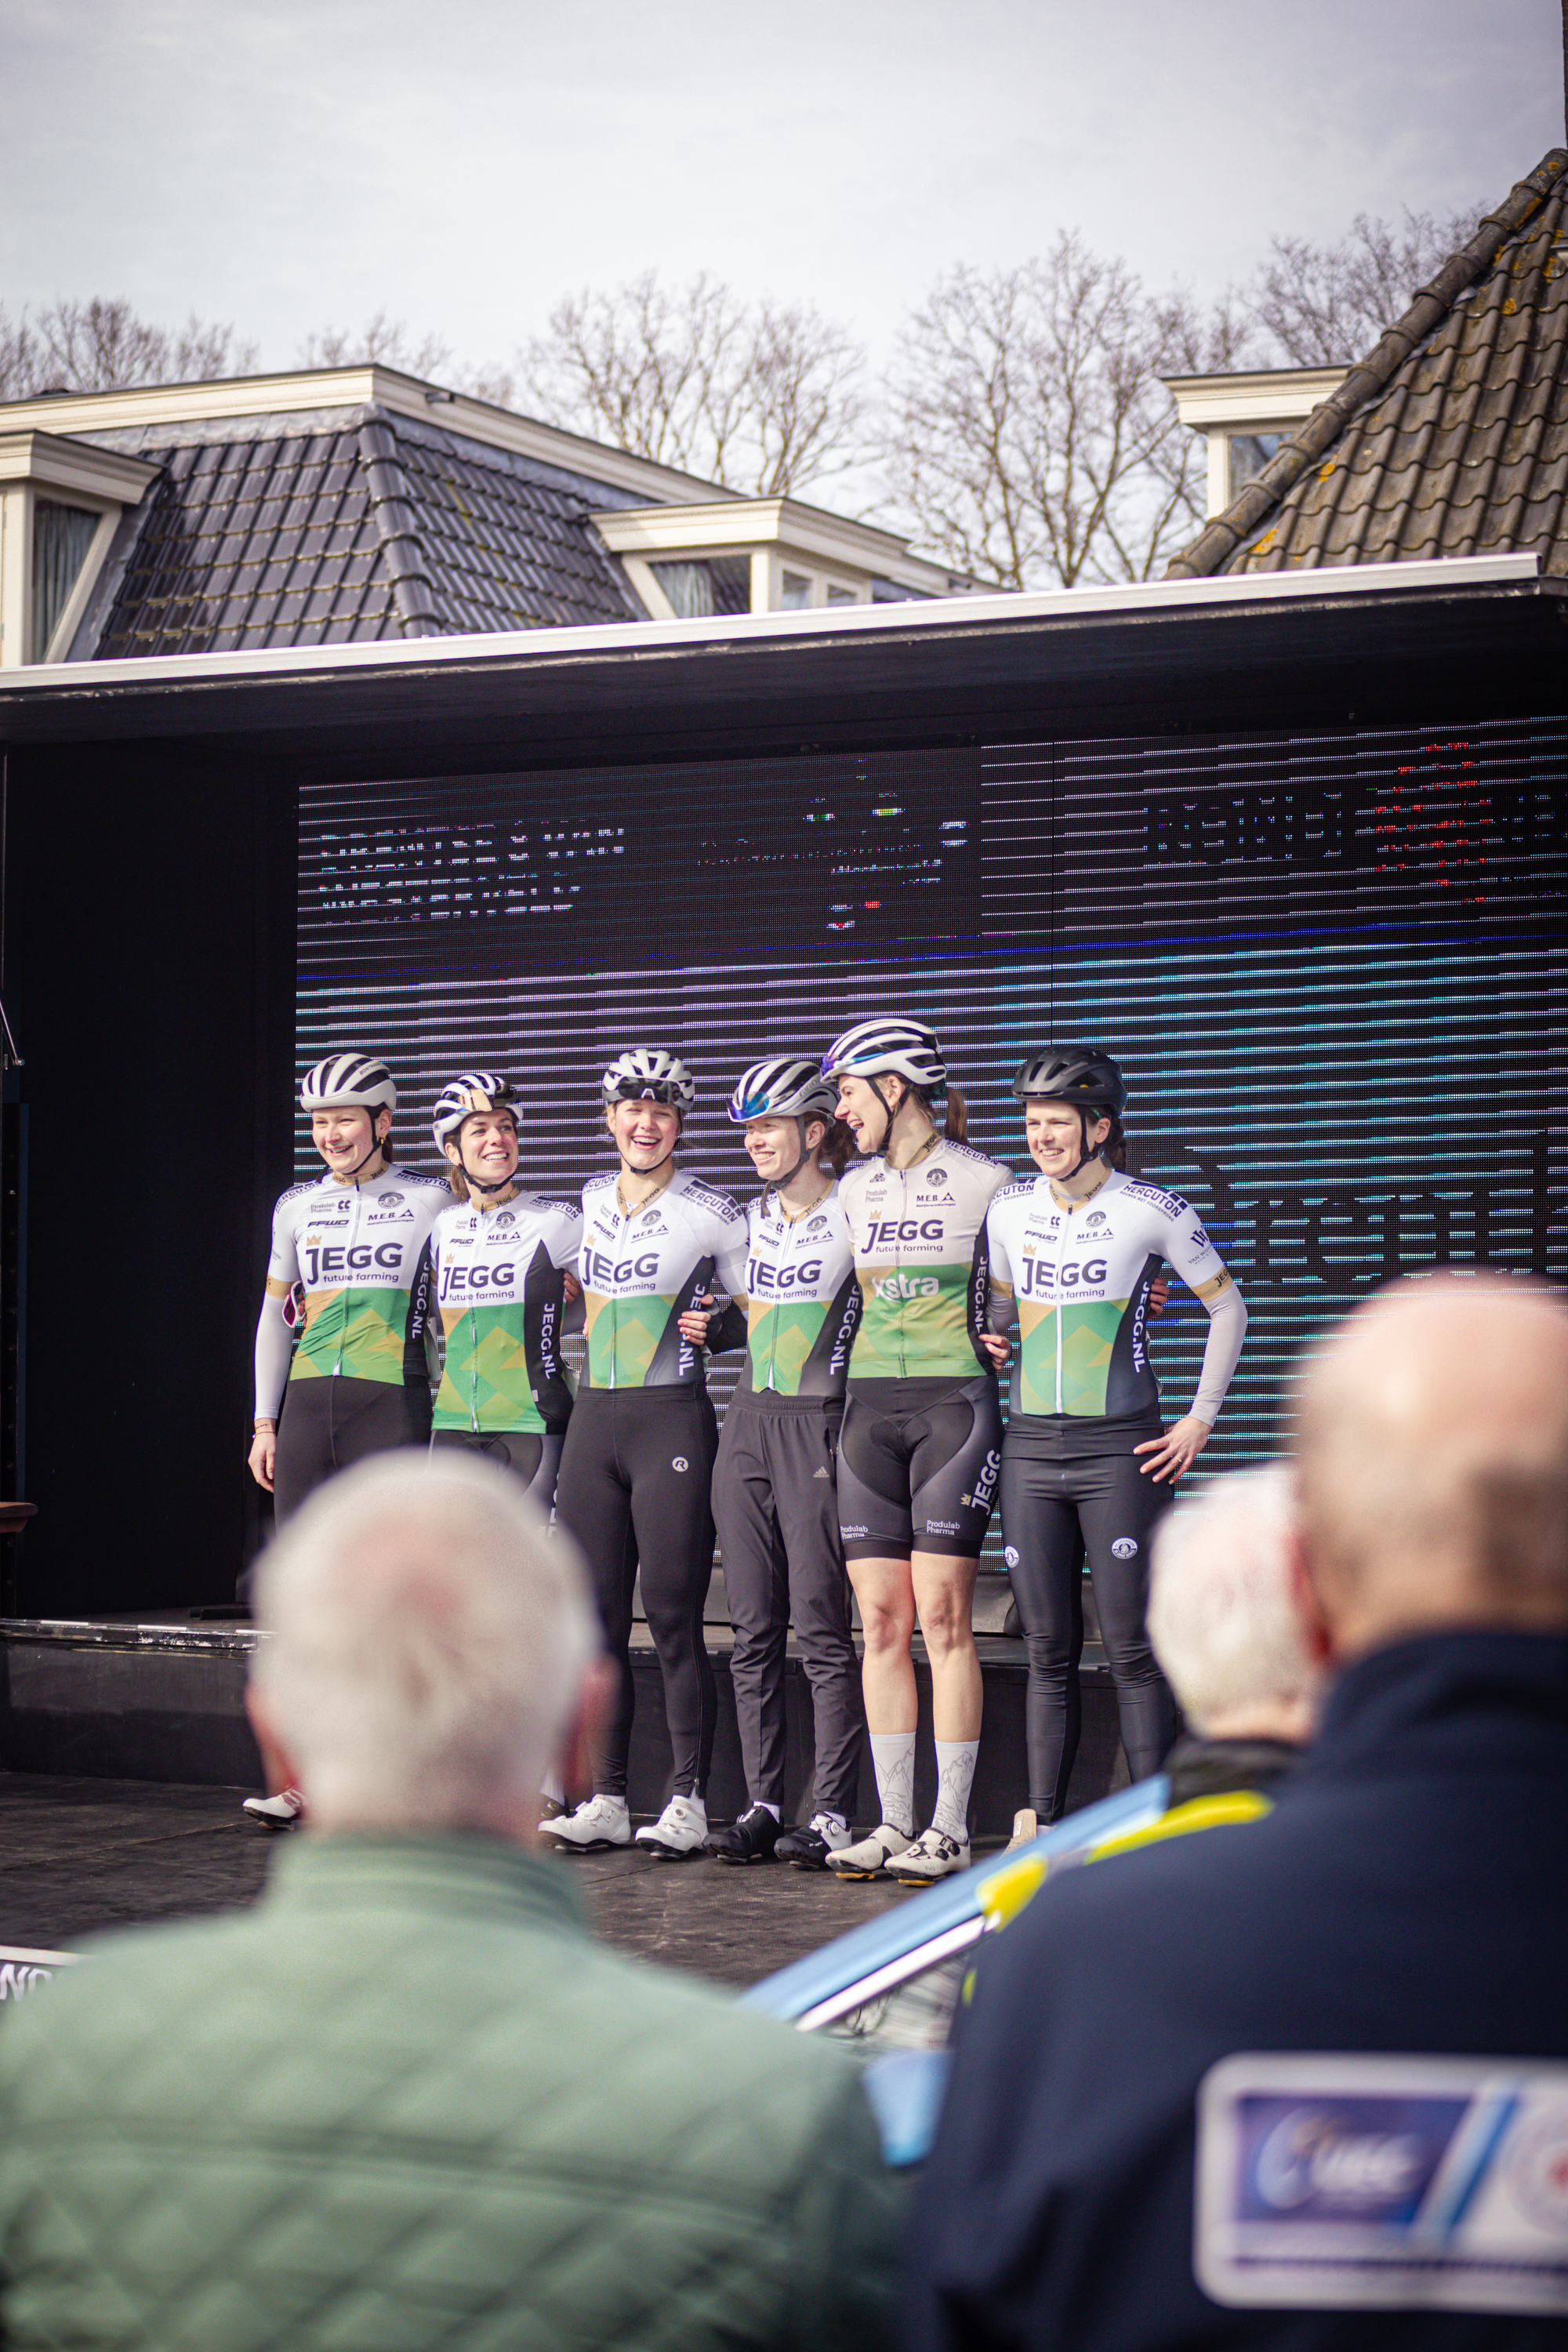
(349, 1082)
(475, 1090)
(785, 1087)
(648, 1074)
(888, 1043)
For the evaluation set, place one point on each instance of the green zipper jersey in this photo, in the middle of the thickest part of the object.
(803, 1300)
(640, 1274)
(355, 1251)
(497, 1281)
(1081, 1272)
(919, 1238)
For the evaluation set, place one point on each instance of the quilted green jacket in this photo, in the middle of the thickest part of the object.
(407, 2102)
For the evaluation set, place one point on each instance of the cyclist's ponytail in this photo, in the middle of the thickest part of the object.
(1113, 1150)
(957, 1128)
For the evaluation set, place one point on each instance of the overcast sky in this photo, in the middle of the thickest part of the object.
(292, 164)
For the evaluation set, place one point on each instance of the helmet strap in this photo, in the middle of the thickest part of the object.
(889, 1113)
(1085, 1156)
(477, 1183)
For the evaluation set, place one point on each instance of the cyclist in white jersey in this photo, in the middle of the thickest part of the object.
(1088, 1467)
(638, 1464)
(921, 1440)
(355, 1380)
(502, 1264)
(775, 1502)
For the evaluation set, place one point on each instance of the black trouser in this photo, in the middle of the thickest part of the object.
(775, 1504)
(532, 1457)
(634, 1489)
(327, 1423)
(1058, 1507)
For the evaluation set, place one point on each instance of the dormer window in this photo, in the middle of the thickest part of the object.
(762, 555)
(1247, 419)
(718, 583)
(61, 504)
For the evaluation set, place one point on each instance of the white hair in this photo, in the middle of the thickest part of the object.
(427, 1644)
(1223, 1618)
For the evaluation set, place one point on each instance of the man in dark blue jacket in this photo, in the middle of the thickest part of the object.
(1362, 2172)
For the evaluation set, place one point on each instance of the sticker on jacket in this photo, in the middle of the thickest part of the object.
(1358, 2183)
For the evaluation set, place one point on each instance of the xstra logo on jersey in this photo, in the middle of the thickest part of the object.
(919, 1256)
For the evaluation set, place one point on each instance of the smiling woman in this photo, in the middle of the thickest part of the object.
(339, 1345)
(636, 1467)
(1088, 1465)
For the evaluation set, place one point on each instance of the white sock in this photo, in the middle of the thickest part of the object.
(954, 1778)
(893, 1760)
(553, 1787)
(833, 1821)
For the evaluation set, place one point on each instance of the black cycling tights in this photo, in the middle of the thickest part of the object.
(1054, 1514)
(634, 1489)
(328, 1423)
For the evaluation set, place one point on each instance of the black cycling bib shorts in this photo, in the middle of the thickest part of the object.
(775, 1506)
(634, 1491)
(532, 1457)
(919, 1462)
(326, 1425)
(1068, 1497)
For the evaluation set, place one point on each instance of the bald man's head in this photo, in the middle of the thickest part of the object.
(1432, 1442)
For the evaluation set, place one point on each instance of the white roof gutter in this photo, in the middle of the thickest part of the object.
(1346, 583)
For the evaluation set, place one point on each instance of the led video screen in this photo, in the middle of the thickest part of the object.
(1331, 965)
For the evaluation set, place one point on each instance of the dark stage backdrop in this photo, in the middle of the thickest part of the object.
(1331, 965)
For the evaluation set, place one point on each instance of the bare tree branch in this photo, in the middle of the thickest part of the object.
(389, 340)
(1029, 436)
(765, 400)
(100, 345)
(1326, 305)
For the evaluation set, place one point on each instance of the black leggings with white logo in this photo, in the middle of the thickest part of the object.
(1057, 1513)
(634, 1489)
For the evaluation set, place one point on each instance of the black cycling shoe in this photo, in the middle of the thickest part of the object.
(750, 1839)
(807, 1848)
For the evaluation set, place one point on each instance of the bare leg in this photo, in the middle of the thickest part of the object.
(945, 1595)
(886, 1598)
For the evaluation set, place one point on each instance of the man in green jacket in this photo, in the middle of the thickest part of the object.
(407, 2102)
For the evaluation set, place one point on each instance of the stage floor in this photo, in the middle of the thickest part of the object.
(78, 1855)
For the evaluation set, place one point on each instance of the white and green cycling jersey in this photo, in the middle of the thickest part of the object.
(1079, 1271)
(355, 1251)
(640, 1272)
(919, 1237)
(802, 1297)
(497, 1281)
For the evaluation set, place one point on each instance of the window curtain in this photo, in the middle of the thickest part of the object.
(61, 537)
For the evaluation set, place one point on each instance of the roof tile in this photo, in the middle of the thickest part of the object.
(1463, 446)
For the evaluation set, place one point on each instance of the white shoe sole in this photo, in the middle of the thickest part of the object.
(555, 1833)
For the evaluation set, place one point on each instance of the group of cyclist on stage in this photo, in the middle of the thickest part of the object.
(872, 1284)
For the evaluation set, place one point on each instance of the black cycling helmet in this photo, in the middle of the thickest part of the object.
(1084, 1075)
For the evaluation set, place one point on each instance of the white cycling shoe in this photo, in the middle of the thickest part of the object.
(279, 1812)
(873, 1856)
(679, 1831)
(599, 1823)
(933, 1854)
